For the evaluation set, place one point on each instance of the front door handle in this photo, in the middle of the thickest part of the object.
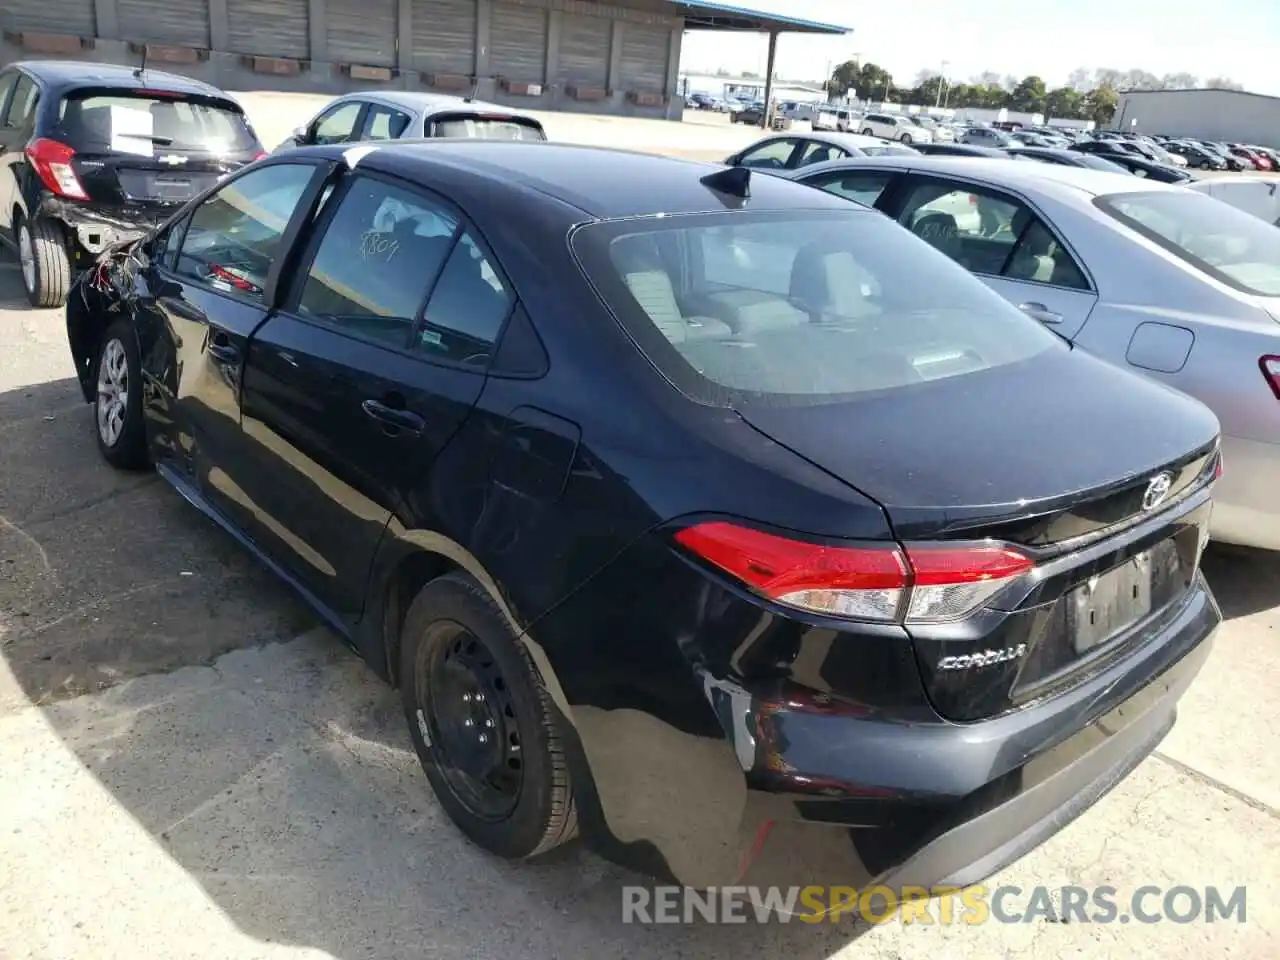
(1040, 312)
(396, 417)
(221, 348)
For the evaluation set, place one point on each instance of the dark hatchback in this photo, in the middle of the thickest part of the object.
(712, 517)
(93, 154)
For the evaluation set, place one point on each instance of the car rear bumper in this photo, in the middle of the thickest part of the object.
(981, 794)
(1246, 501)
(97, 227)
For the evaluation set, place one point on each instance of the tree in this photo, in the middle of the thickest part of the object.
(1065, 102)
(842, 78)
(1222, 83)
(1179, 81)
(1028, 95)
(1100, 105)
(1081, 80)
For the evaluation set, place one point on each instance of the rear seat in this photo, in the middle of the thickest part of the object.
(651, 286)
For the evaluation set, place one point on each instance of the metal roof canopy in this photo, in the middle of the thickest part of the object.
(702, 15)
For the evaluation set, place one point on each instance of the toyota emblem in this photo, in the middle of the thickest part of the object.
(1158, 488)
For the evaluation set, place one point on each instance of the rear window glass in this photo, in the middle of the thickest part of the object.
(488, 128)
(1227, 244)
(798, 308)
(123, 122)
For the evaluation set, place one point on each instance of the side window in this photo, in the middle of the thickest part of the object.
(235, 234)
(337, 125)
(1040, 258)
(166, 250)
(817, 152)
(6, 84)
(972, 227)
(864, 187)
(385, 123)
(379, 255)
(771, 156)
(468, 306)
(23, 107)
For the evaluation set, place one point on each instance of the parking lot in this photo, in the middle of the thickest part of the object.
(192, 767)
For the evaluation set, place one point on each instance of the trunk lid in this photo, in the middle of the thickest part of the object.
(150, 151)
(1060, 454)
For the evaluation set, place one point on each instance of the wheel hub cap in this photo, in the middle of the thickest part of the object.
(27, 257)
(113, 392)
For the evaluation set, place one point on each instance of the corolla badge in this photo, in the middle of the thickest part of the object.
(1158, 488)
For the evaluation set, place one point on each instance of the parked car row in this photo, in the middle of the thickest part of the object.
(698, 509)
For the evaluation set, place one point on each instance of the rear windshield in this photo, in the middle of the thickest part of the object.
(798, 307)
(477, 127)
(125, 122)
(1228, 244)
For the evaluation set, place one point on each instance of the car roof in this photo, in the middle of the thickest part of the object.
(600, 182)
(69, 74)
(429, 103)
(1037, 177)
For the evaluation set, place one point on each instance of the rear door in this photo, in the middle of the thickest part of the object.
(354, 389)
(382, 122)
(207, 289)
(12, 143)
(1006, 243)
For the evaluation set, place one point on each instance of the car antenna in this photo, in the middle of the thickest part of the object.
(143, 65)
(731, 181)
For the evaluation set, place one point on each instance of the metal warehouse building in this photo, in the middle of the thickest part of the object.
(1229, 115)
(616, 57)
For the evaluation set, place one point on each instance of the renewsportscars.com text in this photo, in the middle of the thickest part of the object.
(941, 905)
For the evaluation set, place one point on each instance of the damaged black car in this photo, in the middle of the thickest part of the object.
(93, 155)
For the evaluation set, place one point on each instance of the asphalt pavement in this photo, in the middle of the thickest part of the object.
(191, 768)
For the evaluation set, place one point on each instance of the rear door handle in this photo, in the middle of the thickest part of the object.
(1040, 312)
(396, 417)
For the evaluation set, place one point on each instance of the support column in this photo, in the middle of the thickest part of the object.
(404, 36)
(317, 31)
(766, 116)
(106, 19)
(219, 26)
(483, 15)
(551, 69)
(672, 87)
(615, 56)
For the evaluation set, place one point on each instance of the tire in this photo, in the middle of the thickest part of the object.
(868, 132)
(452, 628)
(906, 139)
(117, 376)
(1205, 165)
(47, 280)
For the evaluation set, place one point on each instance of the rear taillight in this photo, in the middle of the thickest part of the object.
(923, 583)
(51, 161)
(1271, 370)
(260, 155)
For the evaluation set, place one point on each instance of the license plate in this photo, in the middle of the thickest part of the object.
(1112, 601)
(171, 189)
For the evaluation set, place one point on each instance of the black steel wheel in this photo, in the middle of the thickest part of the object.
(483, 723)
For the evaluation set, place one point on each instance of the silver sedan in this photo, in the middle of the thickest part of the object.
(1158, 278)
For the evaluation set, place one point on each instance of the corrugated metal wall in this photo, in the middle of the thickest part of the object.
(268, 28)
(184, 23)
(518, 42)
(584, 50)
(643, 64)
(73, 17)
(363, 31)
(444, 36)
(1229, 115)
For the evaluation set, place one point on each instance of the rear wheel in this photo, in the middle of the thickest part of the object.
(46, 265)
(117, 372)
(906, 138)
(1205, 165)
(482, 722)
(868, 132)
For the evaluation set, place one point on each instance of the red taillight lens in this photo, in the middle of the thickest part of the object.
(260, 155)
(926, 582)
(1271, 370)
(51, 161)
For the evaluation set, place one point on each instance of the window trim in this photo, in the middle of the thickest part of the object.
(321, 171)
(893, 179)
(289, 305)
(1006, 195)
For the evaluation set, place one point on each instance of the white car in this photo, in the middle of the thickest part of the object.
(1258, 195)
(893, 127)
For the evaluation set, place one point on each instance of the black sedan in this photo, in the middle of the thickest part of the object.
(693, 511)
(957, 150)
(1114, 162)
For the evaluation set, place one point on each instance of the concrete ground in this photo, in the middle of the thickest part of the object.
(191, 768)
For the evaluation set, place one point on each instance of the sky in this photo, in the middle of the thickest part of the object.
(1048, 38)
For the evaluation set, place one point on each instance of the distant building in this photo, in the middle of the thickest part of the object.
(727, 87)
(1233, 116)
